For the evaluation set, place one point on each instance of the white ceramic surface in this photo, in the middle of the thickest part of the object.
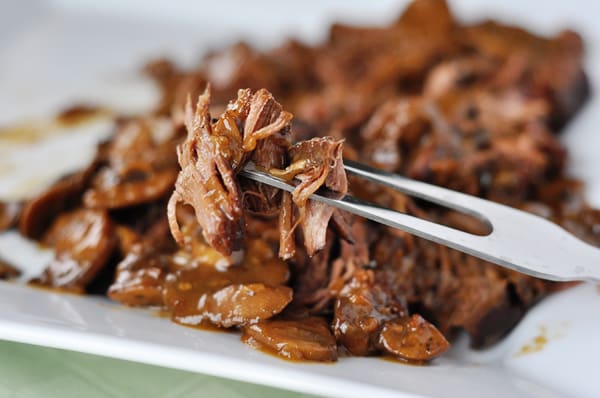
(54, 53)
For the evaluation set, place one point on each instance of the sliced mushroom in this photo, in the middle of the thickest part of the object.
(135, 189)
(38, 213)
(307, 339)
(84, 241)
(140, 277)
(234, 305)
(360, 311)
(139, 165)
(413, 338)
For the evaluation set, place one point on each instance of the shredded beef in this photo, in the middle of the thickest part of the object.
(161, 218)
(315, 163)
(206, 180)
(253, 128)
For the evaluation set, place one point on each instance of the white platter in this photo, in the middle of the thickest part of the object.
(60, 52)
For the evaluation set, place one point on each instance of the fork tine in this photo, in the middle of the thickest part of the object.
(432, 193)
(519, 240)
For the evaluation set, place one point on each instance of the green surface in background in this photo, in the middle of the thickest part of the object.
(32, 371)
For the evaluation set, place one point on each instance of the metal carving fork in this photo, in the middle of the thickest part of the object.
(518, 240)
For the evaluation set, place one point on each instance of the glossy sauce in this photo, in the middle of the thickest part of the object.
(308, 339)
(190, 292)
